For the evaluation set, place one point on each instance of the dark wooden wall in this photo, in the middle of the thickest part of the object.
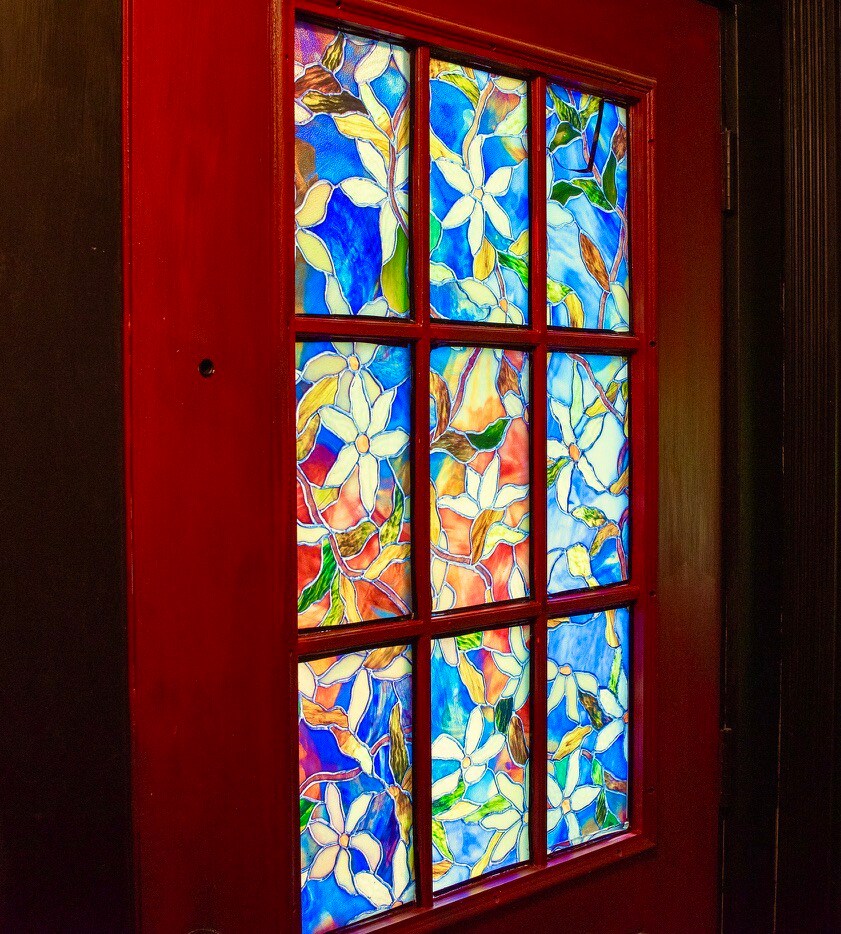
(64, 802)
(752, 396)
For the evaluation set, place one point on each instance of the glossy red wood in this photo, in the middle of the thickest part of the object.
(213, 627)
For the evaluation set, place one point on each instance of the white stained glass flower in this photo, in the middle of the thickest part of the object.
(563, 804)
(565, 684)
(574, 448)
(478, 197)
(402, 890)
(516, 666)
(472, 758)
(513, 821)
(349, 361)
(338, 837)
(615, 705)
(482, 491)
(487, 295)
(381, 191)
(367, 441)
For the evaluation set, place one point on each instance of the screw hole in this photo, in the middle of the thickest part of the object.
(206, 368)
(652, 343)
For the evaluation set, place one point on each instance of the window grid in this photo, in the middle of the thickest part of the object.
(421, 333)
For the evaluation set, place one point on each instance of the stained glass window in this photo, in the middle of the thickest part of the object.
(480, 475)
(587, 727)
(355, 764)
(586, 212)
(353, 482)
(472, 601)
(351, 174)
(588, 470)
(480, 753)
(479, 235)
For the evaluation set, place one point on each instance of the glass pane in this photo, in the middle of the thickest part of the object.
(353, 482)
(351, 174)
(587, 675)
(479, 195)
(480, 753)
(479, 468)
(588, 466)
(586, 213)
(355, 759)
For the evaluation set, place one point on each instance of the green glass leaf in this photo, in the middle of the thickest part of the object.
(597, 771)
(590, 515)
(520, 266)
(615, 670)
(555, 469)
(491, 437)
(390, 531)
(564, 135)
(470, 641)
(395, 281)
(307, 807)
(565, 111)
(439, 838)
(313, 592)
(594, 194)
(601, 809)
(336, 612)
(502, 713)
(589, 106)
(445, 802)
(492, 806)
(556, 292)
(564, 191)
(434, 232)
(609, 180)
(610, 820)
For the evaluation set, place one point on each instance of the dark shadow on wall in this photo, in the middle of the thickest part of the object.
(64, 748)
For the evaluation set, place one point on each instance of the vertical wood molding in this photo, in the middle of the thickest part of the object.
(809, 718)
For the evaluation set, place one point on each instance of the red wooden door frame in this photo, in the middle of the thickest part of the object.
(213, 660)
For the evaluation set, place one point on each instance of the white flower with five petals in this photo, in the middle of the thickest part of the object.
(471, 757)
(513, 821)
(380, 190)
(349, 361)
(575, 450)
(338, 837)
(403, 886)
(482, 491)
(564, 803)
(478, 196)
(565, 684)
(367, 440)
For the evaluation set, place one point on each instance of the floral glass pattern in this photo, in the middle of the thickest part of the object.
(351, 174)
(353, 410)
(480, 753)
(355, 767)
(588, 470)
(479, 235)
(479, 469)
(586, 213)
(587, 741)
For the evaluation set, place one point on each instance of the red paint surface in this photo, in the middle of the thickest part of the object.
(212, 546)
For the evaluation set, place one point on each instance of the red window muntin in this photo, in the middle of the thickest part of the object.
(422, 35)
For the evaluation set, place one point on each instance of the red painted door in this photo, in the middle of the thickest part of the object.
(209, 342)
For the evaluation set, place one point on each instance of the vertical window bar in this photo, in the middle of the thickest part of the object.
(537, 298)
(419, 219)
